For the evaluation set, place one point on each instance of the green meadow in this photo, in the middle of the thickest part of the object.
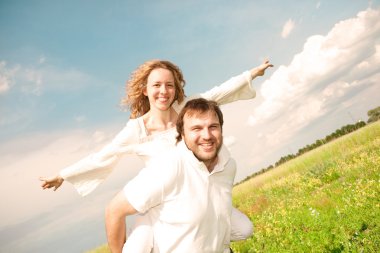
(326, 200)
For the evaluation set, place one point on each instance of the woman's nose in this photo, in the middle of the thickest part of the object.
(163, 89)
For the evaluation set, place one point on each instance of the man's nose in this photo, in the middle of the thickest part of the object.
(206, 134)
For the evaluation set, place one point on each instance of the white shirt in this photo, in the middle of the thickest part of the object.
(190, 207)
(88, 173)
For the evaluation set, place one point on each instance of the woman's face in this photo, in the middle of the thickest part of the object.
(160, 89)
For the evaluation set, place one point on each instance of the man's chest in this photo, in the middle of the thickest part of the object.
(197, 199)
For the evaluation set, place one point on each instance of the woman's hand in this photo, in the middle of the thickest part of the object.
(260, 70)
(55, 182)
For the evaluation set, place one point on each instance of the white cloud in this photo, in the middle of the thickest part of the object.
(86, 213)
(4, 84)
(33, 84)
(322, 78)
(326, 62)
(39, 79)
(368, 65)
(42, 59)
(296, 118)
(287, 28)
(6, 77)
(79, 118)
(318, 5)
(25, 159)
(99, 136)
(337, 89)
(229, 141)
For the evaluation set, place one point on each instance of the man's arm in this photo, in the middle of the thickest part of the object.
(116, 211)
(137, 197)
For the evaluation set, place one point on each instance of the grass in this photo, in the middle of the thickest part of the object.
(327, 200)
(102, 249)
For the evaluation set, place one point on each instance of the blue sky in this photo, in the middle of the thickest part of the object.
(63, 68)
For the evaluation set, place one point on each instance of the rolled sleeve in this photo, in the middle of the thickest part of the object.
(153, 184)
(145, 190)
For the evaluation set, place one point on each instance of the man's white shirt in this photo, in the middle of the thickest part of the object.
(189, 207)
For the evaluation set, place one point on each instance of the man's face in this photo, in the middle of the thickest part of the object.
(202, 134)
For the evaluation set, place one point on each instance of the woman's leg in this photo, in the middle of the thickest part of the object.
(241, 226)
(140, 240)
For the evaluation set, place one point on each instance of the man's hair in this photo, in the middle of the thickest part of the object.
(199, 106)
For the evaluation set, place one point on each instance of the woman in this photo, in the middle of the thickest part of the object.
(155, 95)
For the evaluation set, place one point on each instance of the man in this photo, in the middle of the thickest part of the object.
(187, 190)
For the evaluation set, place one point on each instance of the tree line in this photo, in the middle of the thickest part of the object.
(373, 115)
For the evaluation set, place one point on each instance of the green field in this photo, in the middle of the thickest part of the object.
(102, 249)
(327, 200)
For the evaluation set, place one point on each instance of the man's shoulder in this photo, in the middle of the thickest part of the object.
(230, 165)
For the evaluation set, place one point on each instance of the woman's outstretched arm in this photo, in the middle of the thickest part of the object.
(86, 174)
(236, 88)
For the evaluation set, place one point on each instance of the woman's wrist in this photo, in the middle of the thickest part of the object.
(254, 73)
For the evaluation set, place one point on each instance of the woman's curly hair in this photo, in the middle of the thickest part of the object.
(135, 99)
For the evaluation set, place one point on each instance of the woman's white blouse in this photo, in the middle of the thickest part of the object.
(88, 173)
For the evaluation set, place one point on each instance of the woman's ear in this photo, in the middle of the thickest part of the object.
(144, 91)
